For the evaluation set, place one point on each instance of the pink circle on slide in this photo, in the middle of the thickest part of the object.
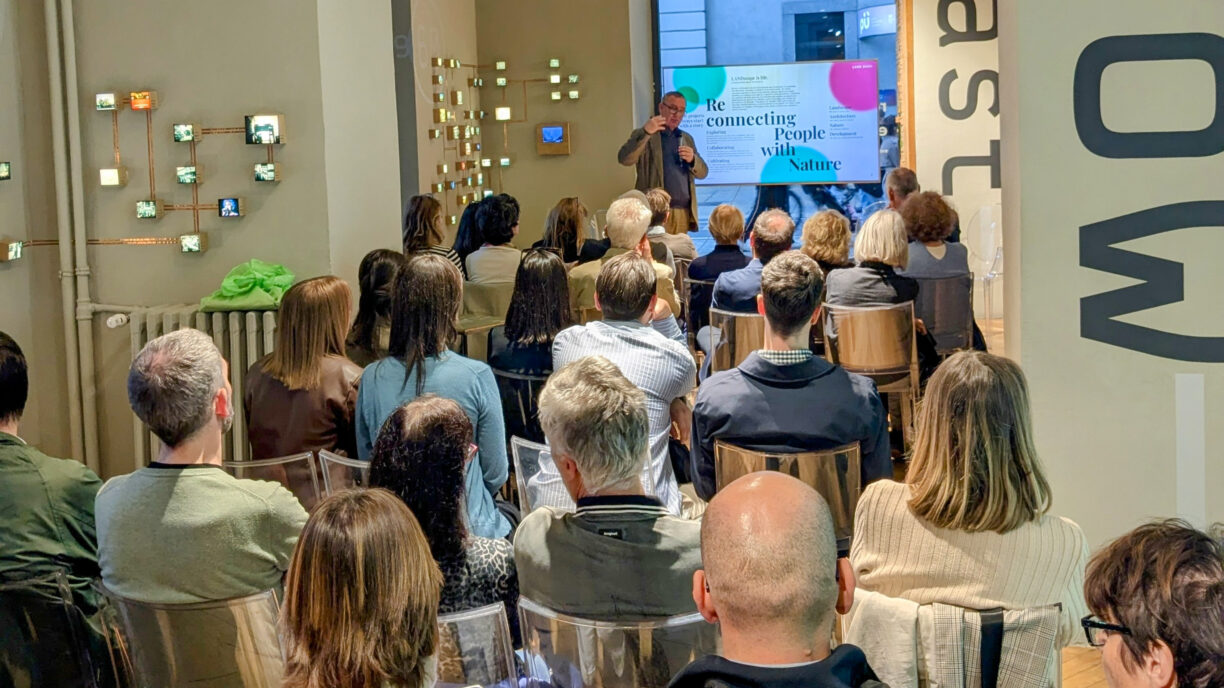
(854, 84)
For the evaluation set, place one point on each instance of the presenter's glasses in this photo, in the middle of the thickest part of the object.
(667, 107)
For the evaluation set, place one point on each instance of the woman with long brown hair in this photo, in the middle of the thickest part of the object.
(423, 229)
(361, 597)
(970, 526)
(301, 397)
(428, 295)
(566, 230)
(371, 331)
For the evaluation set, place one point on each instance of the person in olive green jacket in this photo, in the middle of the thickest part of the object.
(46, 504)
(667, 158)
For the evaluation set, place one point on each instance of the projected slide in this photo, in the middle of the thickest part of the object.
(799, 123)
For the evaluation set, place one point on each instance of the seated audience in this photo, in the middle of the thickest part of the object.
(771, 580)
(628, 220)
(736, 290)
(424, 229)
(929, 220)
(301, 397)
(467, 235)
(368, 338)
(970, 525)
(621, 554)
(782, 398)
(497, 259)
(639, 335)
(899, 185)
(182, 529)
(880, 249)
(680, 245)
(726, 225)
(1157, 596)
(659, 252)
(826, 240)
(539, 309)
(361, 598)
(421, 456)
(566, 230)
(428, 293)
(46, 504)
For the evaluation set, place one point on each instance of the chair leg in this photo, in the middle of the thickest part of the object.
(907, 420)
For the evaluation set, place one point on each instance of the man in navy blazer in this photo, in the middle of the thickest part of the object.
(772, 233)
(782, 398)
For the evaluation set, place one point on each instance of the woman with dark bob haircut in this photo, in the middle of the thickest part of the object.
(428, 294)
(420, 456)
(929, 220)
(371, 332)
(361, 597)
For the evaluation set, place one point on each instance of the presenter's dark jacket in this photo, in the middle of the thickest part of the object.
(808, 406)
(645, 151)
(846, 667)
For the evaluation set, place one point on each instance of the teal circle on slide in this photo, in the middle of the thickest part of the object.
(779, 170)
(699, 84)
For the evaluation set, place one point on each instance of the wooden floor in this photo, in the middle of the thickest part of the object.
(1082, 668)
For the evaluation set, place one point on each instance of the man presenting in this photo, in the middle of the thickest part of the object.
(666, 158)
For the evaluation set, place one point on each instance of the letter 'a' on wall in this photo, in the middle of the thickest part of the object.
(1112, 144)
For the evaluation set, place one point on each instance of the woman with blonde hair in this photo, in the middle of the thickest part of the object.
(970, 525)
(826, 240)
(880, 250)
(301, 397)
(361, 597)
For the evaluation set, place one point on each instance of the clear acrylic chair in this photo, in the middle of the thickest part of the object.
(223, 643)
(45, 639)
(475, 648)
(988, 280)
(835, 473)
(520, 394)
(342, 473)
(298, 473)
(538, 482)
(738, 335)
(945, 307)
(562, 650)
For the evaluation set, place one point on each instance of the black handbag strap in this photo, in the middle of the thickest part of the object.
(991, 649)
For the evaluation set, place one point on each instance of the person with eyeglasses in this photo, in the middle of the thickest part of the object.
(667, 158)
(1157, 601)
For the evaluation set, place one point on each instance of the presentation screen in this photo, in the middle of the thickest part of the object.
(796, 123)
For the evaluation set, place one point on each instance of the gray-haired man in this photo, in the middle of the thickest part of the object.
(181, 529)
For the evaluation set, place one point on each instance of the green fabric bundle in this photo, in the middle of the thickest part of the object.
(251, 286)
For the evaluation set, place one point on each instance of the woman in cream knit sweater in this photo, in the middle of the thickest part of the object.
(970, 527)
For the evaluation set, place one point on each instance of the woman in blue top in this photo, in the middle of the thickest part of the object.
(428, 294)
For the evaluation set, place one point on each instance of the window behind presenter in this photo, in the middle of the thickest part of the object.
(666, 157)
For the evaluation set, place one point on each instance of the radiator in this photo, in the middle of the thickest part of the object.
(243, 338)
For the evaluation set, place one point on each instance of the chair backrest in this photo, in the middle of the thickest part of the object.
(44, 638)
(956, 646)
(697, 310)
(680, 268)
(486, 299)
(945, 306)
(736, 335)
(834, 473)
(475, 648)
(342, 473)
(223, 643)
(562, 650)
(870, 340)
(520, 395)
(298, 473)
(539, 483)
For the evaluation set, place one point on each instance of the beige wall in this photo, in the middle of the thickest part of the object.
(1124, 433)
(593, 40)
(30, 308)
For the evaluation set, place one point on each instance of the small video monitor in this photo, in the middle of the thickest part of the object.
(6, 171)
(184, 133)
(148, 210)
(187, 174)
(193, 243)
(106, 101)
(267, 172)
(265, 129)
(143, 100)
(11, 250)
(231, 207)
(113, 176)
(552, 138)
(504, 161)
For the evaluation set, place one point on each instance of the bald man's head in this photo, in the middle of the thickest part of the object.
(770, 556)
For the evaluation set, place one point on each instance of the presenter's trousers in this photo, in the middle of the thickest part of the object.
(678, 221)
